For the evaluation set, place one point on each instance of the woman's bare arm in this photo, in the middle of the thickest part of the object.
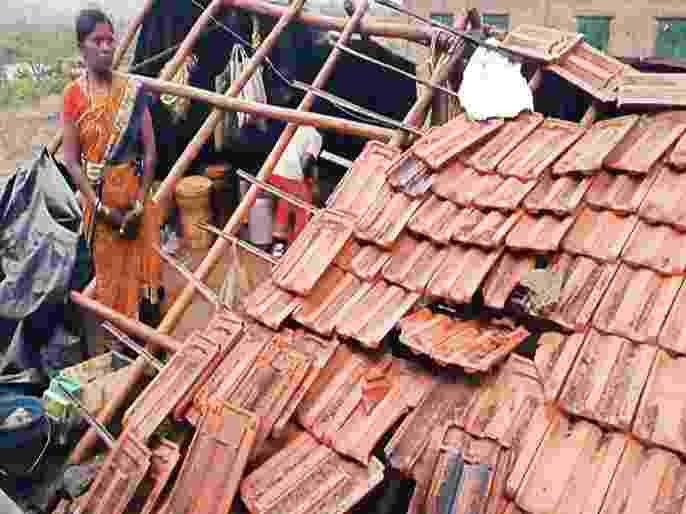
(149, 155)
(72, 160)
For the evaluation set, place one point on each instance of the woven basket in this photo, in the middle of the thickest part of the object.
(192, 196)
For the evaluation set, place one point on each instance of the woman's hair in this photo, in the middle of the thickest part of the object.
(86, 21)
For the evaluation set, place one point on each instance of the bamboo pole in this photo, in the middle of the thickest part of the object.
(206, 131)
(412, 32)
(226, 103)
(174, 64)
(128, 325)
(217, 250)
(138, 368)
(591, 114)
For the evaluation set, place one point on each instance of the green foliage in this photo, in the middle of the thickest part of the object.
(27, 89)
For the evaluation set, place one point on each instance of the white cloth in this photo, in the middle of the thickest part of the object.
(493, 87)
(306, 141)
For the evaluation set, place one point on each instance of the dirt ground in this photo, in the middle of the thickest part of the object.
(27, 128)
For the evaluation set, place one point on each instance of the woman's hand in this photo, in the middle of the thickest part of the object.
(131, 221)
(111, 216)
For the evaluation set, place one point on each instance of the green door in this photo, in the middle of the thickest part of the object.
(596, 30)
(671, 38)
(499, 21)
(443, 17)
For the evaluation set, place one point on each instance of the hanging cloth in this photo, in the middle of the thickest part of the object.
(177, 105)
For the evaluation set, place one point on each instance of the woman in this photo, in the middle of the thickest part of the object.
(106, 125)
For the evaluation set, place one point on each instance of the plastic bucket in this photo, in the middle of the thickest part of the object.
(192, 196)
(23, 446)
(260, 217)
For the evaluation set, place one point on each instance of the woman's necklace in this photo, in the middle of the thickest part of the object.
(93, 90)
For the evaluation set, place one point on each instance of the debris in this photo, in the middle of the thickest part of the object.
(544, 288)
(17, 418)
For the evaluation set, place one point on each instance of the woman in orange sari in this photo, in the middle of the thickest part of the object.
(107, 128)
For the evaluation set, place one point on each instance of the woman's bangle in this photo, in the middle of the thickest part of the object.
(98, 206)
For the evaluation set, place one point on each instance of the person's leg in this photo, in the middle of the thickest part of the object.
(302, 216)
(281, 225)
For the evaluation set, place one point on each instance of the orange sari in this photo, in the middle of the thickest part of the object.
(109, 133)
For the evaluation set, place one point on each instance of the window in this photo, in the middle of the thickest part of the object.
(499, 21)
(445, 18)
(596, 30)
(671, 38)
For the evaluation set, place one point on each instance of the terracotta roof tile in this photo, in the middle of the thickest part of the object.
(646, 481)
(446, 402)
(467, 187)
(165, 456)
(497, 501)
(646, 142)
(386, 218)
(636, 304)
(665, 201)
(480, 228)
(557, 195)
(503, 278)
(447, 141)
(555, 356)
(673, 334)
(660, 415)
(678, 156)
(668, 89)
(656, 247)
(540, 149)
(326, 306)
(584, 282)
(607, 379)
(543, 43)
(584, 460)
(588, 154)
(358, 189)
(599, 234)
(497, 404)
(591, 70)
(423, 471)
(434, 219)
(312, 252)
(223, 442)
(619, 192)
(364, 261)
(375, 313)
(461, 273)
(410, 175)
(541, 233)
(307, 477)
(413, 263)
(270, 305)
(513, 132)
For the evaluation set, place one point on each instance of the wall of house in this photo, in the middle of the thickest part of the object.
(633, 24)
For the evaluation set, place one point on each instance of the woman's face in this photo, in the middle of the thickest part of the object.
(98, 48)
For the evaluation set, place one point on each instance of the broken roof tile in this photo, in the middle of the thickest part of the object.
(541, 233)
(513, 132)
(678, 156)
(222, 443)
(666, 199)
(588, 153)
(585, 460)
(444, 143)
(466, 187)
(480, 228)
(673, 333)
(409, 174)
(540, 149)
(307, 477)
(584, 282)
(434, 219)
(664, 89)
(656, 247)
(599, 234)
(646, 142)
(386, 218)
(542, 43)
(270, 305)
(365, 261)
(425, 336)
(606, 381)
(327, 304)
(357, 190)
(165, 456)
(313, 251)
(503, 278)
(660, 417)
(646, 481)
(619, 192)
(591, 70)
(559, 196)
(555, 355)
(636, 304)
(413, 263)
(374, 314)
(462, 272)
